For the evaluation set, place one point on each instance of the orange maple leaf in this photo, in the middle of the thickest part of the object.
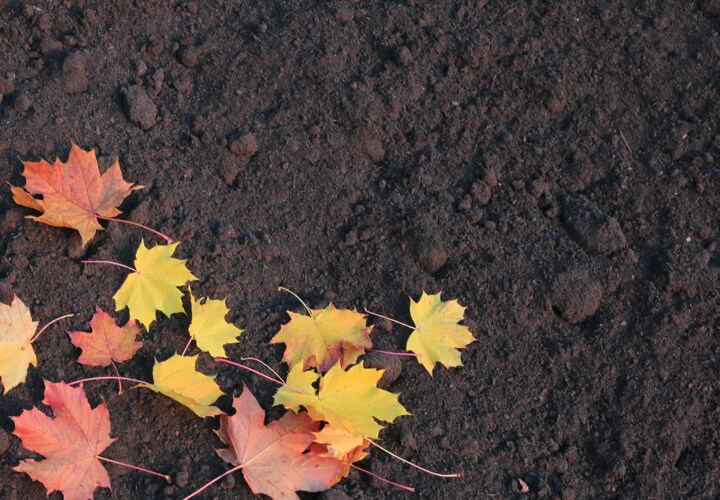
(325, 337)
(342, 445)
(70, 442)
(107, 342)
(273, 457)
(73, 193)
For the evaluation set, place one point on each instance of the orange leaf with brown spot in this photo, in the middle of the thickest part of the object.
(273, 457)
(70, 442)
(107, 342)
(73, 193)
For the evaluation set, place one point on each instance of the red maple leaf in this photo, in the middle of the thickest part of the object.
(273, 457)
(70, 442)
(107, 342)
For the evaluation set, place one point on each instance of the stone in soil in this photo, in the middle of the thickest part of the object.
(431, 254)
(590, 227)
(139, 108)
(74, 76)
(243, 144)
(575, 295)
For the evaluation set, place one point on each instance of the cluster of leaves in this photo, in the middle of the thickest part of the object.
(335, 406)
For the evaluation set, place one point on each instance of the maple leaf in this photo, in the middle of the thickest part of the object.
(16, 332)
(177, 378)
(73, 193)
(70, 442)
(107, 342)
(273, 457)
(209, 328)
(153, 287)
(347, 400)
(437, 335)
(324, 338)
(341, 445)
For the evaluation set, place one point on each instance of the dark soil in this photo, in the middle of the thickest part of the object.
(552, 165)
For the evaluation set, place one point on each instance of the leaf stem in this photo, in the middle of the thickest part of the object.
(383, 479)
(395, 353)
(6, 355)
(223, 360)
(283, 289)
(390, 319)
(35, 337)
(142, 382)
(410, 463)
(108, 262)
(214, 481)
(164, 476)
(166, 238)
(187, 346)
(118, 377)
(265, 365)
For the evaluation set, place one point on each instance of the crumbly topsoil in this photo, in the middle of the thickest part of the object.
(552, 165)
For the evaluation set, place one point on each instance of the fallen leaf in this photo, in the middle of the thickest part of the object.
(177, 378)
(153, 287)
(273, 456)
(70, 442)
(107, 342)
(209, 328)
(73, 193)
(16, 331)
(343, 446)
(327, 337)
(347, 400)
(437, 335)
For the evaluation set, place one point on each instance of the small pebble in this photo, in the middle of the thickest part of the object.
(188, 56)
(431, 255)
(182, 479)
(74, 75)
(403, 56)
(139, 108)
(243, 144)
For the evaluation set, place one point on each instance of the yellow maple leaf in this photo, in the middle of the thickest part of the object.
(437, 335)
(153, 287)
(177, 378)
(324, 338)
(209, 328)
(16, 332)
(347, 400)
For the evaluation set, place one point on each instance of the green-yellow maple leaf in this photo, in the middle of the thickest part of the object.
(154, 284)
(347, 400)
(177, 378)
(209, 328)
(437, 335)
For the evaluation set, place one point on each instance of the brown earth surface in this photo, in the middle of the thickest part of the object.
(553, 165)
